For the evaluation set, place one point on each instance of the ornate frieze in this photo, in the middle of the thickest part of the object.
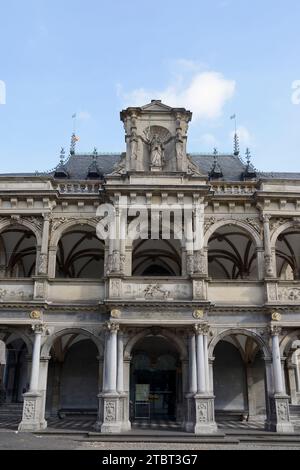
(14, 294)
(291, 294)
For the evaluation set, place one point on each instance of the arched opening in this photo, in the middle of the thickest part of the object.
(80, 254)
(239, 378)
(155, 380)
(73, 376)
(288, 254)
(156, 258)
(291, 350)
(232, 254)
(17, 252)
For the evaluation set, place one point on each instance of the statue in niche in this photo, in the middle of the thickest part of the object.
(156, 152)
(134, 144)
(179, 146)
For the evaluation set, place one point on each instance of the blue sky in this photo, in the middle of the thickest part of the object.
(95, 57)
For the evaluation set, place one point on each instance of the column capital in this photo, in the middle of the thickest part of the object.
(39, 328)
(265, 218)
(112, 327)
(201, 328)
(275, 330)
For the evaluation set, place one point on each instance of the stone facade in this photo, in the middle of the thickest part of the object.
(153, 311)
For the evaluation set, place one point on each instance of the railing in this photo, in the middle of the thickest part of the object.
(236, 189)
(77, 188)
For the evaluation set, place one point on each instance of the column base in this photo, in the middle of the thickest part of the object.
(110, 414)
(279, 420)
(200, 414)
(32, 419)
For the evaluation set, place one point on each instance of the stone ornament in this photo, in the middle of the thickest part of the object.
(29, 410)
(115, 313)
(276, 316)
(155, 291)
(110, 411)
(35, 314)
(198, 313)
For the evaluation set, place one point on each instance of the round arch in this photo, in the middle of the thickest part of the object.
(243, 225)
(239, 331)
(287, 341)
(7, 329)
(144, 228)
(22, 223)
(64, 228)
(180, 346)
(69, 331)
(280, 229)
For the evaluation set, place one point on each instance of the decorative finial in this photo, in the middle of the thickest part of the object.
(236, 144)
(216, 171)
(249, 172)
(248, 156)
(62, 155)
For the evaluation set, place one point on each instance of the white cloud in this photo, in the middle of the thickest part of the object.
(245, 137)
(208, 140)
(205, 93)
(83, 115)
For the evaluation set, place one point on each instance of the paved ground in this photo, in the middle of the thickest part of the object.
(20, 441)
(79, 434)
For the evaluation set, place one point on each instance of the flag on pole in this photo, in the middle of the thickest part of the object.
(233, 116)
(74, 116)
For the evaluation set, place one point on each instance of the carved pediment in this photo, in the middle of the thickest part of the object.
(156, 105)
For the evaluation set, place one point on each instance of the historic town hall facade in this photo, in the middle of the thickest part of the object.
(185, 307)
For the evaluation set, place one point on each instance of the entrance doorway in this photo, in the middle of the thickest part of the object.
(155, 380)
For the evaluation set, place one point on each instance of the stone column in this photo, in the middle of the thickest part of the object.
(43, 258)
(276, 361)
(297, 377)
(192, 364)
(267, 244)
(188, 223)
(201, 410)
(52, 261)
(120, 367)
(126, 426)
(199, 261)
(279, 420)
(201, 374)
(110, 413)
(33, 407)
(55, 404)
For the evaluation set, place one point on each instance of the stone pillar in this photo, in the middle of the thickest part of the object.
(33, 407)
(201, 375)
(279, 419)
(43, 257)
(110, 408)
(297, 376)
(126, 408)
(52, 261)
(276, 361)
(206, 362)
(192, 364)
(201, 416)
(120, 369)
(189, 242)
(55, 404)
(267, 244)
